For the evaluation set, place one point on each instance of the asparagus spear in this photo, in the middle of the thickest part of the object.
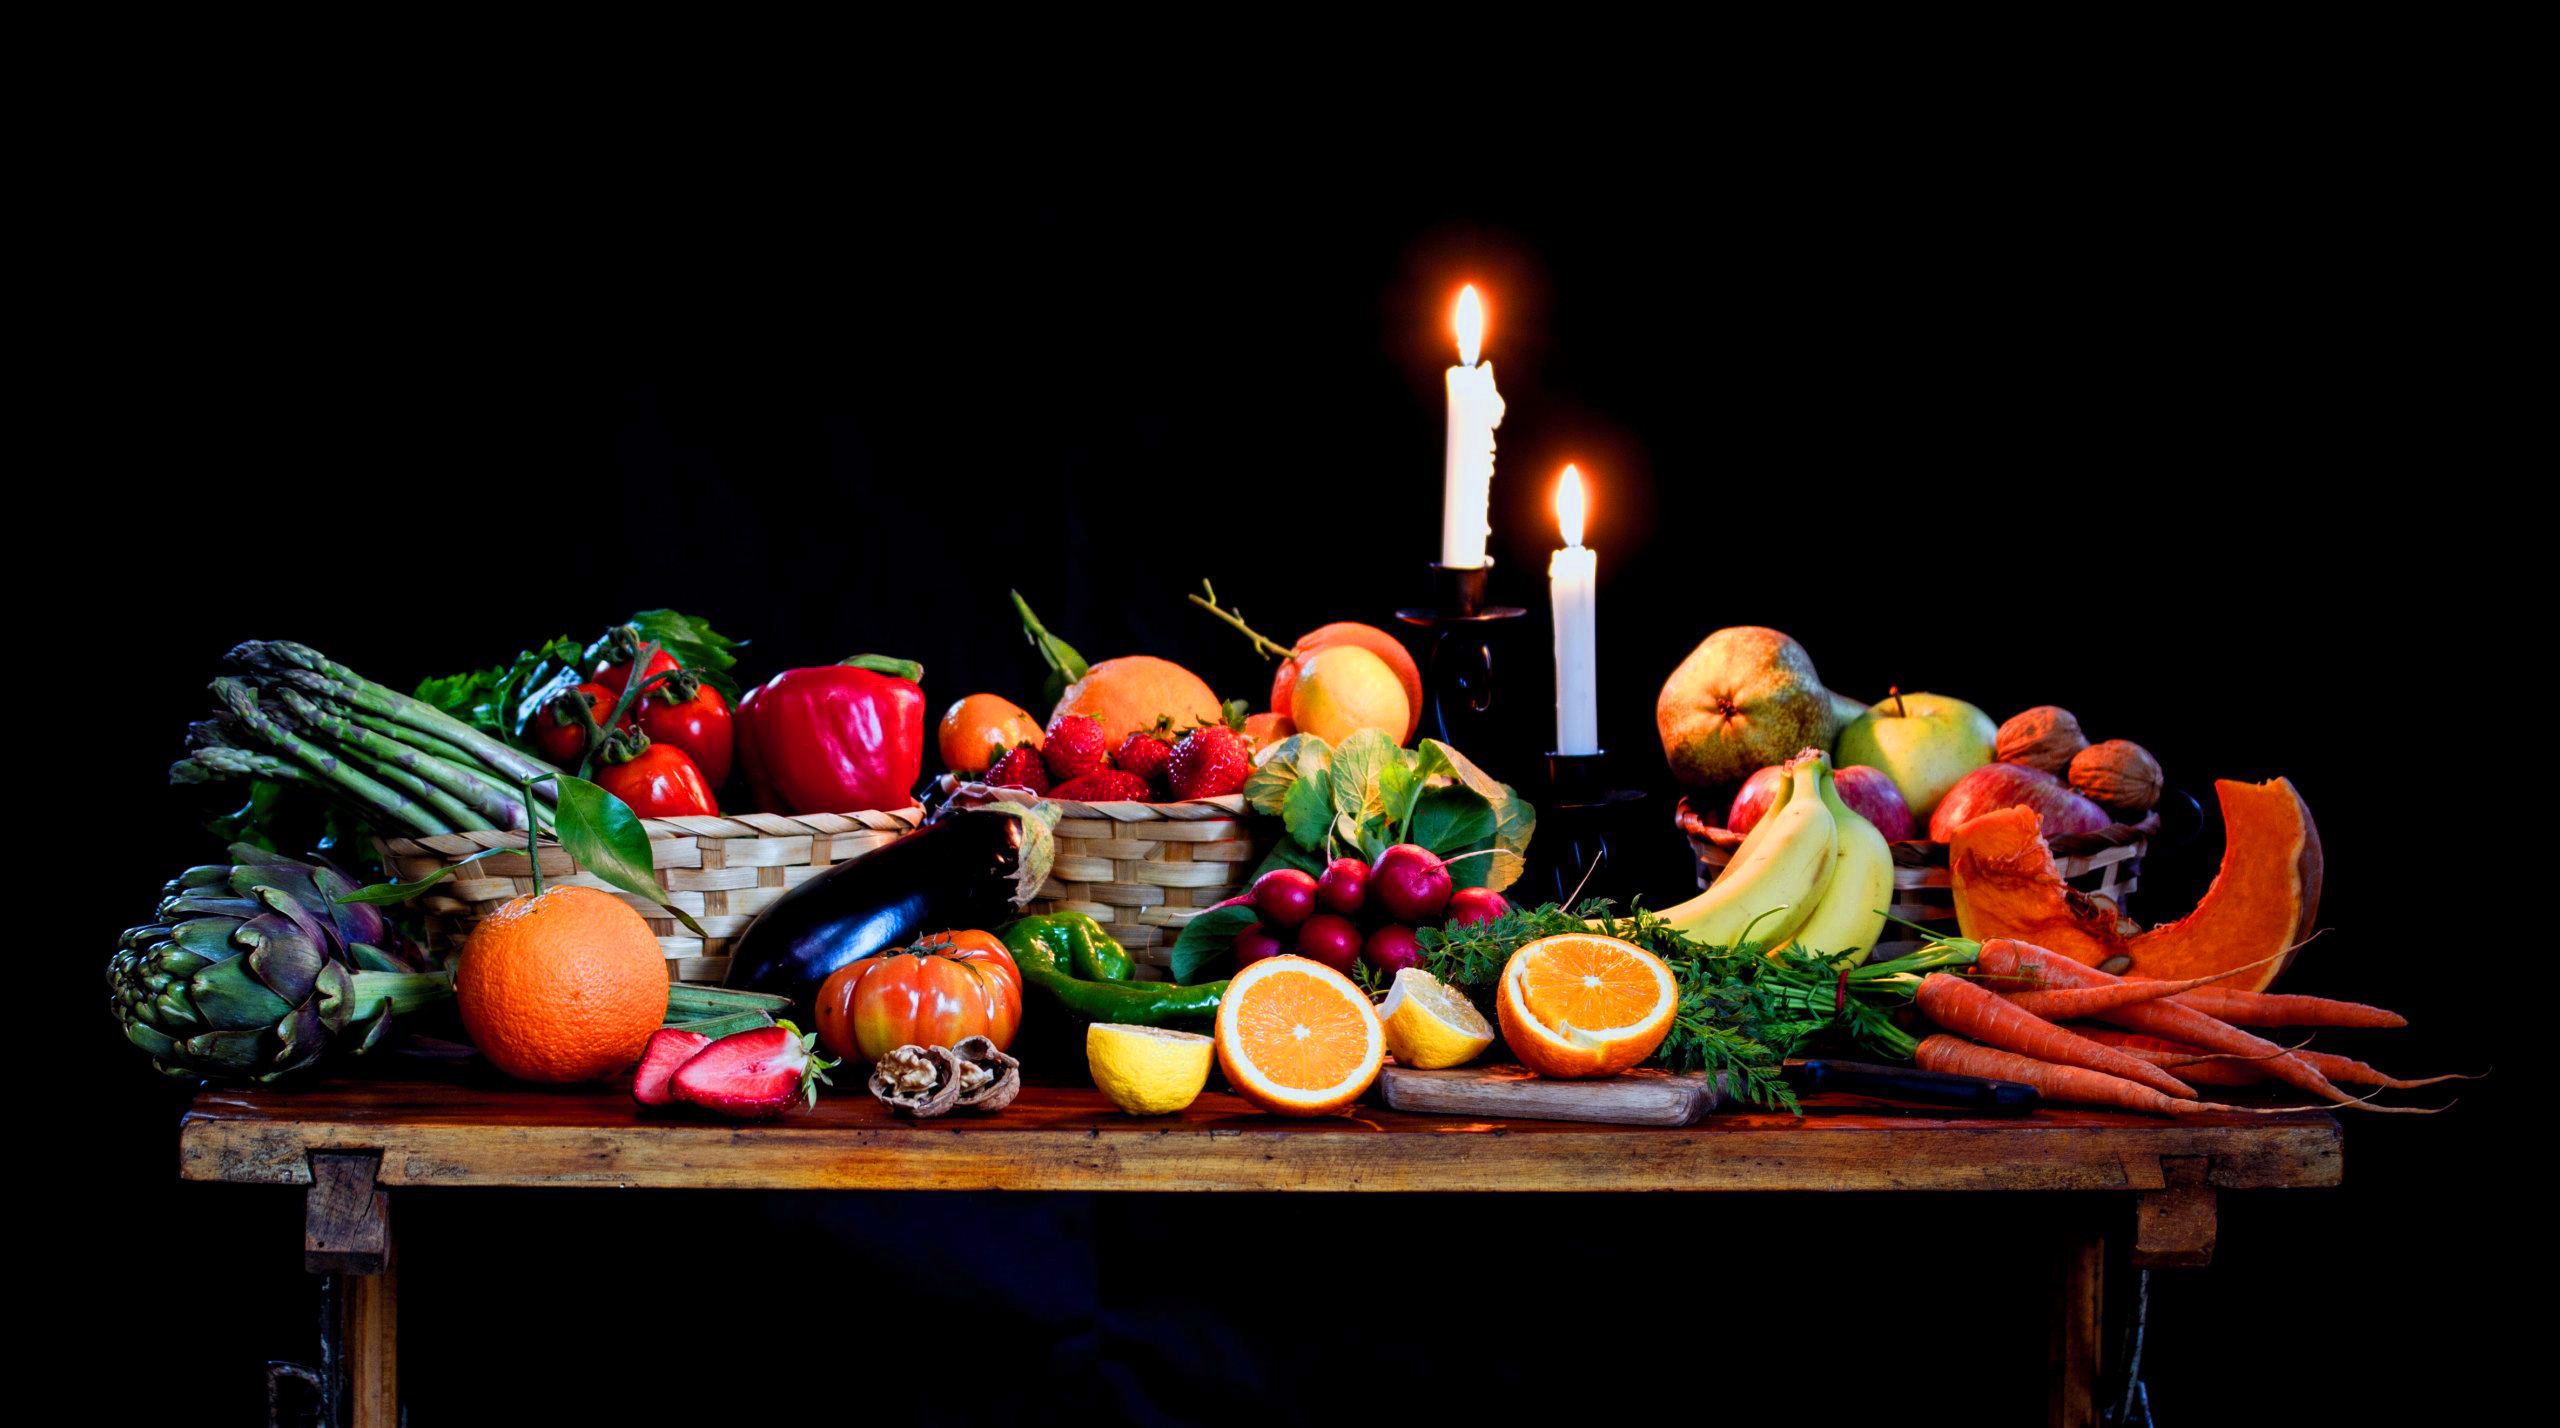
(283, 657)
(501, 808)
(238, 697)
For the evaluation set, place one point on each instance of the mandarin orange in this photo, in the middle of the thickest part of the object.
(562, 985)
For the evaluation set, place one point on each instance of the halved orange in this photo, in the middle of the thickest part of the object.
(1580, 1005)
(1296, 1038)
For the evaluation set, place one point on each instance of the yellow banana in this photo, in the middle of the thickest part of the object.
(1770, 887)
(1850, 912)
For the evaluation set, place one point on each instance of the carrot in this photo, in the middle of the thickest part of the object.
(2002, 957)
(1960, 1005)
(2274, 1009)
(2060, 1083)
(2064, 1003)
(2218, 1069)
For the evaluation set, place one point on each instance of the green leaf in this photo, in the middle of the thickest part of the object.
(1234, 712)
(388, 893)
(1065, 665)
(1356, 769)
(1451, 819)
(1281, 766)
(696, 646)
(605, 836)
(1514, 820)
(1308, 810)
(1207, 938)
(1400, 784)
(1289, 853)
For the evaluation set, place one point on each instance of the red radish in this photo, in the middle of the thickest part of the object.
(668, 1049)
(1257, 942)
(1391, 949)
(1330, 939)
(754, 1075)
(1284, 896)
(1344, 888)
(1411, 883)
(1468, 906)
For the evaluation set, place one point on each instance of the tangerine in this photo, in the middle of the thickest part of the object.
(562, 985)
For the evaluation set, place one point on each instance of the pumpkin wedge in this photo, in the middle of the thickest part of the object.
(2265, 899)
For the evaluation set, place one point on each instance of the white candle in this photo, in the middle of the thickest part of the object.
(1475, 409)
(1573, 586)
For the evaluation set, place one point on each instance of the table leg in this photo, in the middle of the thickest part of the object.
(2078, 1287)
(346, 1231)
(2173, 1227)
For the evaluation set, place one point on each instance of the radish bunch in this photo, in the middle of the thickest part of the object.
(1359, 911)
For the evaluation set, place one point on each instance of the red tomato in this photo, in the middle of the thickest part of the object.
(661, 781)
(699, 725)
(563, 741)
(613, 676)
(943, 990)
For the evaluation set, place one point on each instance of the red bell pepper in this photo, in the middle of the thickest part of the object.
(837, 738)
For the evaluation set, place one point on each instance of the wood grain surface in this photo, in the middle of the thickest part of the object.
(463, 1126)
(1639, 1098)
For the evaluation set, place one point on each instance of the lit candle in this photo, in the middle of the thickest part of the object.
(1475, 409)
(1573, 585)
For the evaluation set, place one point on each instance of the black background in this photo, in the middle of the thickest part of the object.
(2194, 447)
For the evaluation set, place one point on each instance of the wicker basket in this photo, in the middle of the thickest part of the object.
(721, 869)
(2107, 864)
(1145, 869)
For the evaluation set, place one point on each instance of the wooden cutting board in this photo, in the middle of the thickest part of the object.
(1634, 1098)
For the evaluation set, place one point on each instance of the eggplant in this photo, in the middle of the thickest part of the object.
(969, 868)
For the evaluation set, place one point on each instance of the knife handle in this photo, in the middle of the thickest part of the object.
(1943, 1087)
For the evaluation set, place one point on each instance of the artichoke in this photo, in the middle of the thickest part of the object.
(257, 969)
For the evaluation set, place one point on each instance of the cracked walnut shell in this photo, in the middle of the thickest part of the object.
(2119, 774)
(2045, 737)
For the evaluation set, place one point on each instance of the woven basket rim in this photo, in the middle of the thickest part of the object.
(723, 825)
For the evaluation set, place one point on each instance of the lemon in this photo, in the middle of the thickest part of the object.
(1146, 1071)
(1343, 689)
(1430, 1026)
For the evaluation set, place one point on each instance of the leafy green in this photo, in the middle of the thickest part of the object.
(1370, 795)
(1207, 939)
(493, 700)
(698, 647)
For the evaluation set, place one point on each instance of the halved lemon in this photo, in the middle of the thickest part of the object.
(1145, 1070)
(1580, 1005)
(1296, 1038)
(1429, 1026)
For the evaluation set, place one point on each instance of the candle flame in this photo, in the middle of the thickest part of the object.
(1470, 324)
(1569, 500)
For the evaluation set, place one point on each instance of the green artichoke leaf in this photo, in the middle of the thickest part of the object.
(335, 996)
(207, 937)
(234, 1053)
(150, 1039)
(229, 997)
(287, 965)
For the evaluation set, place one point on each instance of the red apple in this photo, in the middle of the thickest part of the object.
(1993, 787)
(1873, 796)
(1754, 797)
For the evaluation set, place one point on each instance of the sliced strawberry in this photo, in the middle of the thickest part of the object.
(668, 1049)
(754, 1074)
(1103, 786)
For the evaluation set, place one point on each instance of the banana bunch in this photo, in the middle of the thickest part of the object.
(1812, 875)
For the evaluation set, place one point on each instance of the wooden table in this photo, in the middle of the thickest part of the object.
(351, 1140)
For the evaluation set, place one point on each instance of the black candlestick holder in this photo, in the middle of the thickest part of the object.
(1458, 676)
(1570, 856)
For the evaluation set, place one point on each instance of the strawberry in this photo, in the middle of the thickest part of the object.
(1103, 786)
(1076, 745)
(754, 1075)
(668, 1049)
(1143, 754)
(1023, 768)
(1211, 760)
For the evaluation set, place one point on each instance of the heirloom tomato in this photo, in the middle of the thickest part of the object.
(941, 991)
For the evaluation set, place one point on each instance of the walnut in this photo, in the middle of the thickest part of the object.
(989, 1079)
(917, 1080)
(2044, 737)
(2119, 774)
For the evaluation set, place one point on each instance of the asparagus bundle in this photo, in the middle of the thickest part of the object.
(293, 715)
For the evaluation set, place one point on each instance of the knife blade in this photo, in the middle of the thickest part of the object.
(1909, 1084)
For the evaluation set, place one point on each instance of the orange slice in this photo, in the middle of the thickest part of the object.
(1581, 1005)
(1296, 1038)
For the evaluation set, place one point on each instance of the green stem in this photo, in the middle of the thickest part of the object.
(403, 992)
(454, 810)
(489, 800)
(1268, 646)
(415, 738)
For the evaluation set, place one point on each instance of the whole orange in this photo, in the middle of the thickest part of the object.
(981, 728)
(1284, 684)
(1130, 693)
(562, 985)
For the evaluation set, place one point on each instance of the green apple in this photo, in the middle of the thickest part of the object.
(1923, 742)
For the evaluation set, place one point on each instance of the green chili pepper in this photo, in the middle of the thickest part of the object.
(1087, 971)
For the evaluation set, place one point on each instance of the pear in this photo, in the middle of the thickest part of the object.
(1745, 698)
